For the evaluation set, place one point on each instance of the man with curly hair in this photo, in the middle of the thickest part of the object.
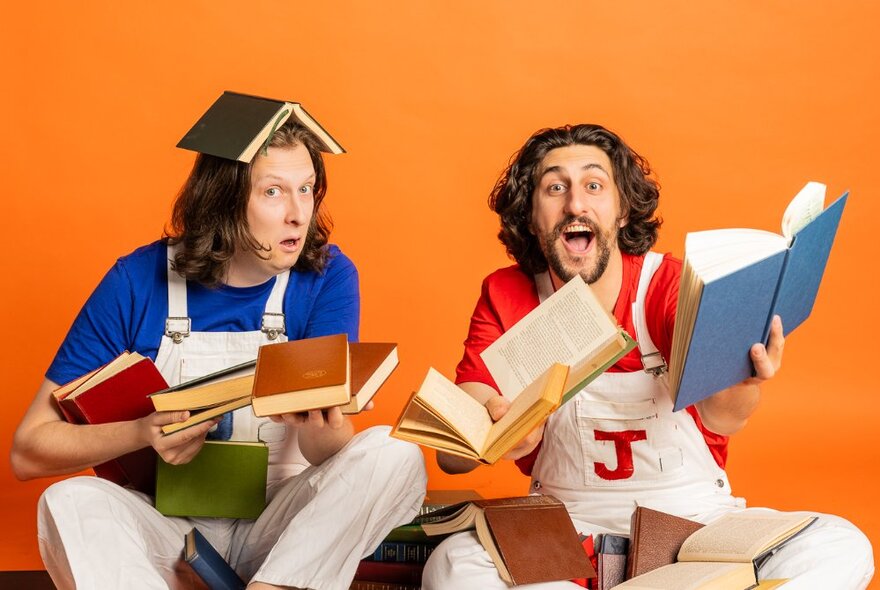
(246, 263)
(576, 200)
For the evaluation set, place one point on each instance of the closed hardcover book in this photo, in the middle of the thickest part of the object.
(209, 564)
(117, 392)
(656, 538)
(302, 375)
(390, 572)
(226, 479)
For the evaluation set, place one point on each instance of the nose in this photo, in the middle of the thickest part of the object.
(296, 213)
(577, 202)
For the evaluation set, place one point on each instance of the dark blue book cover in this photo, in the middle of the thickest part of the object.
(735, 311)
(208, 564)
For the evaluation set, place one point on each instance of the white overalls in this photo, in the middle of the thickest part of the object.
(618, 445)
(319, 521)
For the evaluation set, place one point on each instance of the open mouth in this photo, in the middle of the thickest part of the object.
(577, 237)
(290, 243)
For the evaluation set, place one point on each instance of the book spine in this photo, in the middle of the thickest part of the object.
(408, 552)
(216, 580)
(410, 533)
(367, 585)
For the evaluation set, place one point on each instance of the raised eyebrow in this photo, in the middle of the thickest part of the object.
(561, 170)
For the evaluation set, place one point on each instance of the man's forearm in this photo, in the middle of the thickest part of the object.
(728, 411)
(58, 448)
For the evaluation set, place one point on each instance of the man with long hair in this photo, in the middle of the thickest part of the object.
(576, 200)
(245, 262)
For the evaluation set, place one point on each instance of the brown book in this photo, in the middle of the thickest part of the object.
(371, 364)
(725, 554)
(530, 539)
(116, 392)
(443, 416)
(656, 539)
(302, 375)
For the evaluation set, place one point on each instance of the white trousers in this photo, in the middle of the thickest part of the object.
(316, 527)
(831, 554)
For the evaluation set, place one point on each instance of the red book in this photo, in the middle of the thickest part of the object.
(390, 572)
(117, 392)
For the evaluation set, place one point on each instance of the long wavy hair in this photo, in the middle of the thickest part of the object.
(209, 218)
(511, 198)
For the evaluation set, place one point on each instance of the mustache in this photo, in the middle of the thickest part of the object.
(594, 227)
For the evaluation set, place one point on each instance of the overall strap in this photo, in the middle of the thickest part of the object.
(273, 316)
(177, 324)
(652, 360)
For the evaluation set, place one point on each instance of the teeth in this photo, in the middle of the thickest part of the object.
(577, 228)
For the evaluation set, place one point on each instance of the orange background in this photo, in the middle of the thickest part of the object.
(736, 105)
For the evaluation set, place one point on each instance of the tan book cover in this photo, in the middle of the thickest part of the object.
(656, 538)
(530, 539)
(442, 416)
(302, 375)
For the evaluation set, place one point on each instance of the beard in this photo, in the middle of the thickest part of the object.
(555, 257)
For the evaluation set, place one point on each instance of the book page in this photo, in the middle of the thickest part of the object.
(804, 208)
(740, 537)
(566, 328)
(455, 406)
(693, 576)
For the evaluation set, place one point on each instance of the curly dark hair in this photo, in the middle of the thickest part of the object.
(511, 198)
(209, 217)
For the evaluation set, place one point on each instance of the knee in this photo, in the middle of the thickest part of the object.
(459, 563)
(71, 492)
(397, 456)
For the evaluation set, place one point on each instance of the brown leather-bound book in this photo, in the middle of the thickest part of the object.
(371, 364)
(302, 375)
(530, 539)
(656, 538)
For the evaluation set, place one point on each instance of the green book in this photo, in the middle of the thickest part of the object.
(226, 479)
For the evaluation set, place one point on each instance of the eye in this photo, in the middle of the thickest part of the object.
(556, 187)
(594, 186)
(273, 191)
(305, 189)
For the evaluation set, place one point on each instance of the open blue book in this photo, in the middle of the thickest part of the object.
(734, 281)
(208, 564)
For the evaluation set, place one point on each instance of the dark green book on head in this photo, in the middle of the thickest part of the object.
(237, 125)
(226, 479)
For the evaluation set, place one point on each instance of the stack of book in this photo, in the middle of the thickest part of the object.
(397, 563)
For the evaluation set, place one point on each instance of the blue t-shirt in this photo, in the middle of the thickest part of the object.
(127, 310)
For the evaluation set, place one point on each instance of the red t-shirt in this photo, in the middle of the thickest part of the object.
(509, 294)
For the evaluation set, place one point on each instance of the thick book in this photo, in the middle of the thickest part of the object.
(237, 125)
(302, 375)
(399, 551)
(116, 392)
(390, 572)
(225, 479)
(725, 554)
(734, 281)
(530, 539)
(656, 538)
(611, 552)
(371, 365)
(209, 564)
(232, 388)
(442, 416)
(571, 328)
